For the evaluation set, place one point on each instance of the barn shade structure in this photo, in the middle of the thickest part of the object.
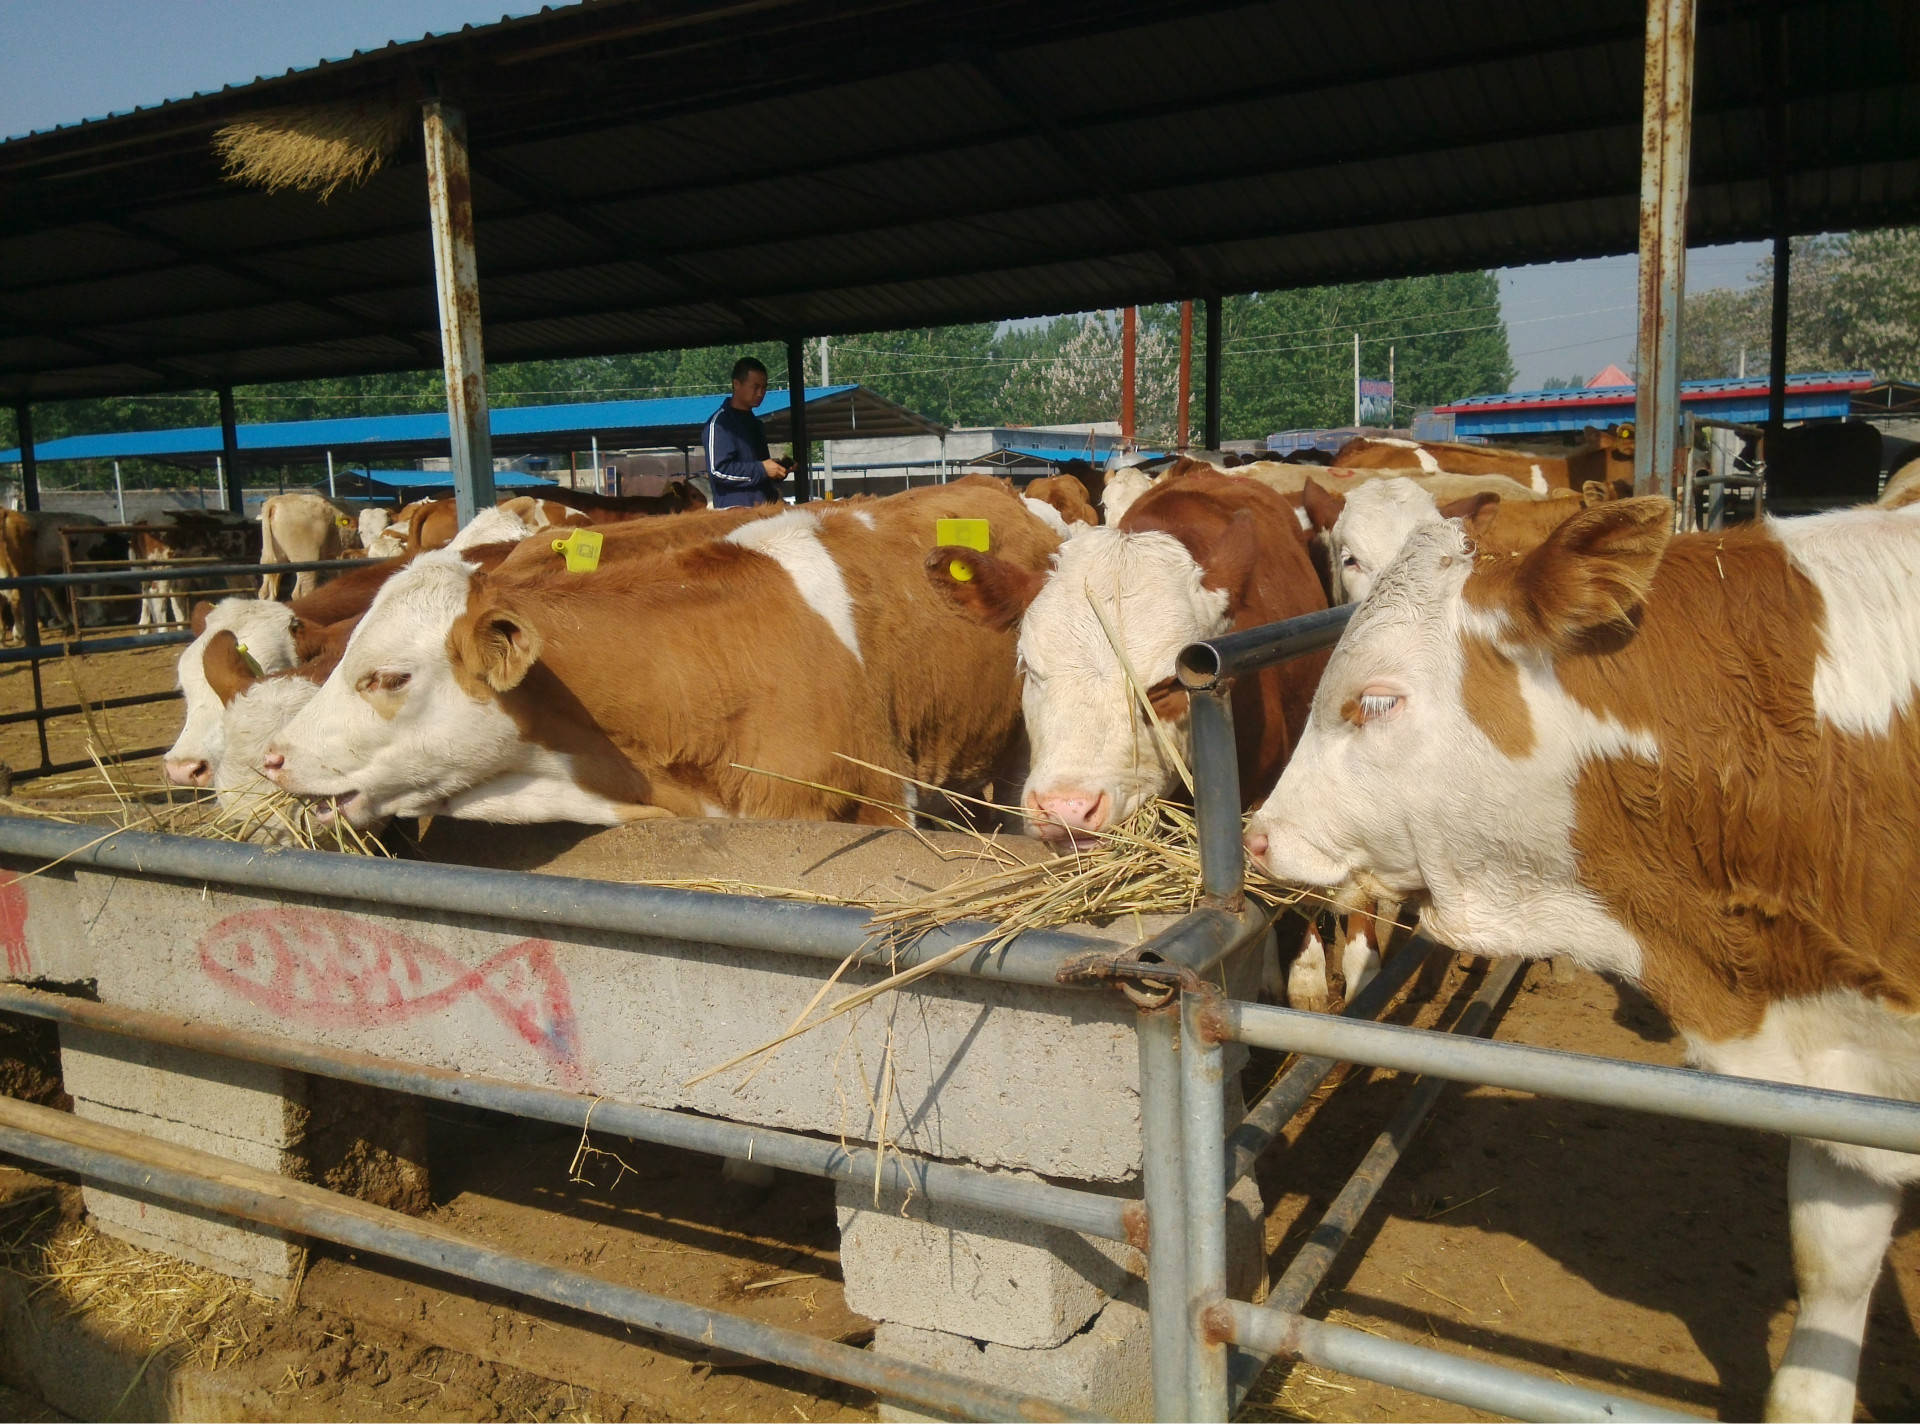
(649, 174)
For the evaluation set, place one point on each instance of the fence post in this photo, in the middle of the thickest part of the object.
(1163, 1170)
(1203, 1115)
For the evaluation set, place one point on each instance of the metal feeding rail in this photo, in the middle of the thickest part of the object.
(33, 651)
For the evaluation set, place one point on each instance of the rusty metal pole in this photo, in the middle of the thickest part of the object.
(457, 280)
(1183, 400)
(1665, 143)
(230, 481)
(1776, 63)
(799, 481)
(1129, 348)
(1212, 433)
(29, 466)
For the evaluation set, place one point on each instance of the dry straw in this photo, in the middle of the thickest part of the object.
(315, 148)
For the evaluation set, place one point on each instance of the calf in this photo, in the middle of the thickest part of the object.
(267, 632)
(1541, 474)
(664, 684)
(302, 527)
(1066, 495)
(1690, 761)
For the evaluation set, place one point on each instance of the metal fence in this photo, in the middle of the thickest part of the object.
(1206, 1348)
(78, 586)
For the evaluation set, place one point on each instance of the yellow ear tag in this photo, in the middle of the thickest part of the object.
(582, 548)
(343, 521)
(247, 658)
(968, 534)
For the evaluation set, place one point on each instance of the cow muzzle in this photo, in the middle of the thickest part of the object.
(182, 772)
(1069, 817)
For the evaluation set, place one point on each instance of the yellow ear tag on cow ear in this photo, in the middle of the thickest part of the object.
(582, 550)
(343, 521)
(248, 658)
(967, 534)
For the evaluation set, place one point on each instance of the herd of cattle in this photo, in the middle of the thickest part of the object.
(1553, 726)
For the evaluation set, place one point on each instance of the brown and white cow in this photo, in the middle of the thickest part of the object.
(188, 534)
(430, 524)
(37, 542)
(1692, 761)
(668, 685)
(1066, 496)
(302, 527)
(1539, 473)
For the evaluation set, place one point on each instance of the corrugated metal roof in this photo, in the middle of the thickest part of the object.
(1811, 395)
(833, 413)
(1722, 387)
(660, 173)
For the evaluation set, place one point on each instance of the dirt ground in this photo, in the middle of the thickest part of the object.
(99, 679)
(1637, 1255)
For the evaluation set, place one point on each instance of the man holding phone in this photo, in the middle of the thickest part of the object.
(738, 466)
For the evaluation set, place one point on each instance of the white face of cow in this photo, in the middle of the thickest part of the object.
(1096, 760)
(392, 732)
(265, 630)
(1394, 788)
(1371, 529)
(251, 721)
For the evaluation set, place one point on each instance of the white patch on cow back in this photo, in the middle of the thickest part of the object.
(1538, 481)
(864, 516)
(1427, 463)
(792, 540)
(1049, 516)
(1840, 1040)
(492, 526)
(1866, 564)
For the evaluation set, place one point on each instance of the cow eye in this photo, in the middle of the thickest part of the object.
(1347, 561)
(385, 680)
(1375, 705)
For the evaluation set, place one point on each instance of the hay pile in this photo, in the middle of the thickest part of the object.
(314, 148)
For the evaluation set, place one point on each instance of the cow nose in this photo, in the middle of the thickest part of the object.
(1257, 844)
(1074, 809)
(273, 761)
(189, 773)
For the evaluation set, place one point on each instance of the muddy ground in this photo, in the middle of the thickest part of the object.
(1633, 1254)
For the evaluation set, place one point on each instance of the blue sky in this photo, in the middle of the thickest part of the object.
(79, 59)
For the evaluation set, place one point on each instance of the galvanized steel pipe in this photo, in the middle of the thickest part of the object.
(900, 1174)
(1581, 1078)
(1422, 1371)
(1203, 1129)
(1666, 136)
(1201, 665)
(131, 1163)
(544, 901)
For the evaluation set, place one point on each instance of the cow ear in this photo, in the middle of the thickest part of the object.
(1594, 492)
(309, 639)
(1476, 511)
(1589, 578)
(1323, 506)
(990, 591)
(230, 672)
(202, 611)
(497, 647)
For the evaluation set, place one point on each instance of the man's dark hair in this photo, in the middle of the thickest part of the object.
(746, 366)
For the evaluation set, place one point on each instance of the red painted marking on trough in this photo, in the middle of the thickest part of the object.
(13, 926)
(339, 971)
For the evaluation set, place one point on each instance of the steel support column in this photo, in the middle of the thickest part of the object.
(1665, 143)
(1212, 441)
(1775, 59)
(1203, 1150)
(1184, 398)
(457, 281)
(231, 486)
(1163, 1169)
(29, 466)
(798, 482)
(1129, 349)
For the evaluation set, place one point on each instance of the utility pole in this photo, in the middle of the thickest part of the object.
(1356, 380)
(1128, 347)
(826, 446)
(1186, 375)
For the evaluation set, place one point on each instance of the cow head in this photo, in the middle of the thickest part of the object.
(1366, 527)
(268, 631)
(1441, 754)
(408, 719)
(1098, 636)
(253, 709)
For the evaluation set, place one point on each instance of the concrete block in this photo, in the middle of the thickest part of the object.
(239, 1111)
(968, 1272)
(1104, 1370)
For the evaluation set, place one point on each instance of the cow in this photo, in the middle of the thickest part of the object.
(1539, 473)
(374, 522)
(1366, 526)
(667, 685)
(189, 534)
(1122, 488)
(266, 632)
(1692, 761)
(1198, 555)
(253, 707)
(1903, 488)
(302, 527)
(432, 524)
(1066, 495)
(38, 542)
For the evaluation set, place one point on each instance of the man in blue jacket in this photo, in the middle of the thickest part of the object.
(737, 464)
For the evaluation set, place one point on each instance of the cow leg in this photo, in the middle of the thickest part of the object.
(306, 583)
(1842, 1220)
(1307, 975)
(1360, 957)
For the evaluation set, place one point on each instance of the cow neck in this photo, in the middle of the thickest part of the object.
(1765, 856)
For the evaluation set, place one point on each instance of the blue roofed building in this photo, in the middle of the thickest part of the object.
(1812, 395)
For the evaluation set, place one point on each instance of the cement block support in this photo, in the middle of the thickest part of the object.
(236, 1110)
(973, 1273)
